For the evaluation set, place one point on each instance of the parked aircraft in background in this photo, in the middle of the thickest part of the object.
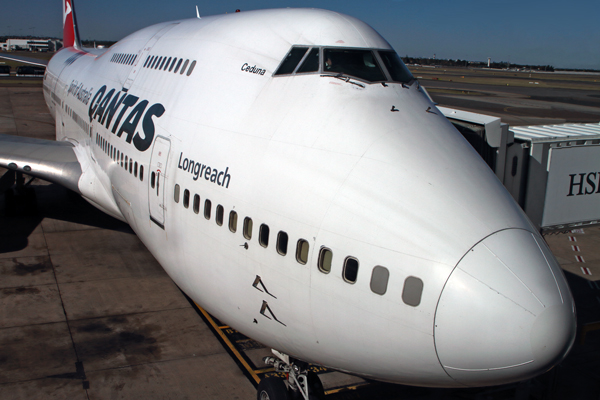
(295, 180)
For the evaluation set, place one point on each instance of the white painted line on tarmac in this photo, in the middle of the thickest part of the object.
(586, 271)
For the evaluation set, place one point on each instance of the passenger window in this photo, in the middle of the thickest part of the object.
(358, 63)
(130, 166)
(288, 65)
(350, 269)
(178, 65)
(248, 228)
(412, 291)
(186, 198)
(233, 221)
(219, 216)
(152, 179)
(263, 235)
(126, 160)
(379, 280)
(207, 208)
(325, 256)
(311, 62)
(141, 173)
(135, 169)
(196, 203)
(282, 243)
(192, 65)
(185, 64)
(176, 194)
(302, 251)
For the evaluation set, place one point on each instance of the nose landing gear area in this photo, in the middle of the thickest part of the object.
(280, 377)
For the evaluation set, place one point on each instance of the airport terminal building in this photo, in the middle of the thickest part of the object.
(31, 44)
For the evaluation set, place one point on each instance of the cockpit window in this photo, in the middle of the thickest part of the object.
(291, 60)
(395, 66)
(367, 65)
(358, 63)
(311, 62)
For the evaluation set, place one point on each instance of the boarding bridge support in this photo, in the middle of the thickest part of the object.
(551, 171)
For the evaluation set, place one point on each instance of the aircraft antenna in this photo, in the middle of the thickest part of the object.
(197, 13)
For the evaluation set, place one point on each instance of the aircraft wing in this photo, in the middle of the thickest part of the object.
(46, 159)
(26, 60)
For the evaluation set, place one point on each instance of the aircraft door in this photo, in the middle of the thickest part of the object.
(157, 180)
(142, 54)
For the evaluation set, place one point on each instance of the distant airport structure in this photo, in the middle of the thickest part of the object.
(31, 44)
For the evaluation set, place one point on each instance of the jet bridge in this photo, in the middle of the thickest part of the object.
(552, 171)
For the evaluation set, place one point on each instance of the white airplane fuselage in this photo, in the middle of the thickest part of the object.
(370, 171)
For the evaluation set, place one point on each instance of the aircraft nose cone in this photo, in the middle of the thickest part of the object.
(506, 313)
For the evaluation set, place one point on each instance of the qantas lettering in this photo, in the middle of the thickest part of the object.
(104, 107)
(210, 174)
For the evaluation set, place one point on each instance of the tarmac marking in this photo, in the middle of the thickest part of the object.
(235, 352)
(579, 259)
(586, 271)
(572, 239)
(237, 344)
(577, 231)
(345, 388)
(593, 285)
(575, 248)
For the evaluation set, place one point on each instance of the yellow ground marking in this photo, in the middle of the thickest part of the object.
(229, 344)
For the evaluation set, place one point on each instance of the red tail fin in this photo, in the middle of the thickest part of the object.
(70, 32)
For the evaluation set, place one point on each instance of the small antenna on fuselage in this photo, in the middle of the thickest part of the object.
(197, 13)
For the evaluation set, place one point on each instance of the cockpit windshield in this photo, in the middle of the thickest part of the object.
(368, 65)
(398, 71)
(359, 63)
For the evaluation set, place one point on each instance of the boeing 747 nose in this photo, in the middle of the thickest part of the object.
(505, 313)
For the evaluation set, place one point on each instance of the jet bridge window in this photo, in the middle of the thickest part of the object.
(302, 251)
(289, 63)
(324, 263)
(350, 272)
(379, 280)
(398, 71)
(361, 64)
(263, 235)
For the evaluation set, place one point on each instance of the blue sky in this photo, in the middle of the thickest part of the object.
(558, 33)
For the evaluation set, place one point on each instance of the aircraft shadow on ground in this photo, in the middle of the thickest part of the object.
(53, 202)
